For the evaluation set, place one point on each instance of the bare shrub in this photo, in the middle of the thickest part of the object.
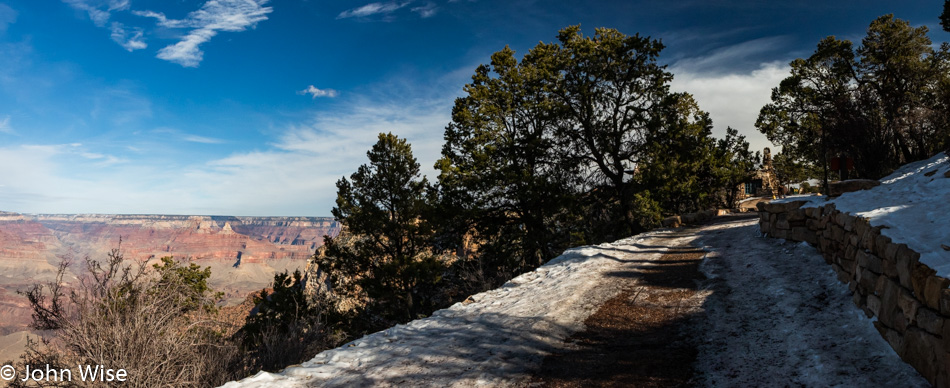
(158, 323)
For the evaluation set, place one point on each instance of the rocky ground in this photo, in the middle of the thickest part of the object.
(636, 312)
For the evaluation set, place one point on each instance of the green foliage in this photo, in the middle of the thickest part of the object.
(788, 170)
(945, 16)
(386, 204)
(614, 91)
(883, 104)
(502, 171)
(194, 279)
(279, 309)
(679, 167)
(735, 165)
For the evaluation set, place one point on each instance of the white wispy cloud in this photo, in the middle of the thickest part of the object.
(99, 11)
(202, 139)
(7, 17)
(732, 99)
(5, 125)
(213, 17)
(725, 59)
(315, 92)
(130, 41)
(372, 9)
(426, 11)
(299, 170)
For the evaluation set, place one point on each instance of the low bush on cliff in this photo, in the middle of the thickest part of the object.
(158, 323)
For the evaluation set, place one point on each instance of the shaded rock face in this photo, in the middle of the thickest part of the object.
(243, 252)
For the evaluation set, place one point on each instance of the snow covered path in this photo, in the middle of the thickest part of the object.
(798, 329)
(778, 316)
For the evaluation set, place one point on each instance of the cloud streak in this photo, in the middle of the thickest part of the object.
(7, 17)
(213, 17)
(372, 9)
(5, 125)
(426, 11)
(315, 92)
(130, 41)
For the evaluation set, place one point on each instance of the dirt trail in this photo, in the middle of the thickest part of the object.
(638, 337)
(770, 313)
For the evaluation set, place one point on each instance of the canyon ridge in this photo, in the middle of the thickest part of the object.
(244, 253)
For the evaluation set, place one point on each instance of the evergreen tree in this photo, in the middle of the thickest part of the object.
(503, 170)
(883, 104)
(614, 91)
(385, 204)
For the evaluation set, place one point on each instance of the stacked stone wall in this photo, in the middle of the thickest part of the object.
(910, 302)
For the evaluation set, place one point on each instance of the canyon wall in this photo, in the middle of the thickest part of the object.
(243, 252)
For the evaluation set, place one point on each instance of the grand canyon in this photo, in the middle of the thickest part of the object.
(242, 252)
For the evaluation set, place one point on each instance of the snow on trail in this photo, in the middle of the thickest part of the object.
(497, 340)
(778, 316)
(775, 315)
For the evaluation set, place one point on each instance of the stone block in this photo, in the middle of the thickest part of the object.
(781, 222)
(850, 252)
(839, 218)
(858, 299)
(868, 279)
(890, 252)
(671, 222)
(862, 258)
(890, 268)
(860, 226)
(875, 264)
(848, 224)
(908, 304)
(764, 216)
(847, 265)
(837, 188)
(837, 233)
(889, 304)
(812, 224)
(867, 239)
(853, 239)
(881, 283)
(761, 206)
(906, 262)
(945, 303)
(803, 234)
(896, 340)
(920, 351)
(811, 212)
(796, 215)
(880, 244)
(919, 279)
(930, 321)
(874, 305)
(933, 290)
(689, 218)
(764, 227)
(780, 233)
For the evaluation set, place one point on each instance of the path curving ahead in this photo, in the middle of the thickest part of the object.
(770, 313)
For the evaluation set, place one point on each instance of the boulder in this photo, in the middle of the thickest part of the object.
(841, 187)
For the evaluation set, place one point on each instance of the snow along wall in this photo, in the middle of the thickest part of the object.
(908, 300)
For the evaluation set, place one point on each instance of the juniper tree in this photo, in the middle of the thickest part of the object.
(384, 203)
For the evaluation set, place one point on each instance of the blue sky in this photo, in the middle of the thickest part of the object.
(255, 107)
